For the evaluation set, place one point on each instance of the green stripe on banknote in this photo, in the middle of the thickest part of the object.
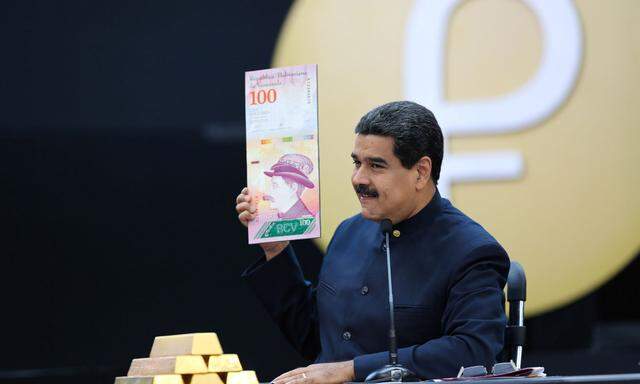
(287, 139)
(282, 228)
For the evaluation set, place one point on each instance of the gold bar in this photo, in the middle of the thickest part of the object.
(244, 377)
(206, 343)
(225, 363)
(160, 379)
(205, 378)
(167, 365)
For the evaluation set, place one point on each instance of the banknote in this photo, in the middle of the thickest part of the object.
(281, 109)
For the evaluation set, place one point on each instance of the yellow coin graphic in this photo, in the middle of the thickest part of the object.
(538, 101)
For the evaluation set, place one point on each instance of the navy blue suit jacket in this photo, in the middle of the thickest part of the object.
(448, 280)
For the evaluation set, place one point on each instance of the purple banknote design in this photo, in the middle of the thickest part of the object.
(282, 153)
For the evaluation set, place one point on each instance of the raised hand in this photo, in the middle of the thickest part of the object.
(246, 212)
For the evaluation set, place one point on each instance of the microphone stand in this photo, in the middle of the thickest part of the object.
(392, 372)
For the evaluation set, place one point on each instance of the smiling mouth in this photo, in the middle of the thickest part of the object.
(364, 193)
(363, 196)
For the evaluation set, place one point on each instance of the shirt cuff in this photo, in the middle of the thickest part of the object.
(363, 365)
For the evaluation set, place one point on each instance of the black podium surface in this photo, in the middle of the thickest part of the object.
(587, 379)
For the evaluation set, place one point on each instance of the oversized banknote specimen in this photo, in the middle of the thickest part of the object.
(281, 109)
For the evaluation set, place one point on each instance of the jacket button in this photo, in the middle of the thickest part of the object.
(365, 290)
(346, 336)
(396, 233)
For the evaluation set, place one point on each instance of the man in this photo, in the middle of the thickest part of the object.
(448, 272)
(289, 179)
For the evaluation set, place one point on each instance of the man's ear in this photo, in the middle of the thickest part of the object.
(423, 170)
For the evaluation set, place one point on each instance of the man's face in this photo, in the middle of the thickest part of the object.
(282, 193)
(385, 188)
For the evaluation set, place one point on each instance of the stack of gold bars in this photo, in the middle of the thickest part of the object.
(194, 358)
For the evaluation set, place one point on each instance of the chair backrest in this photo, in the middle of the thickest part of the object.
(515, 332)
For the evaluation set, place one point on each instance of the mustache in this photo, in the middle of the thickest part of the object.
(362, 189)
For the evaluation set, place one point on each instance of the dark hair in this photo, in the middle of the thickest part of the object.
(414, 129)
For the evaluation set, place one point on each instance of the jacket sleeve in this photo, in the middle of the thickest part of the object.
(473, 321)
(288, 298)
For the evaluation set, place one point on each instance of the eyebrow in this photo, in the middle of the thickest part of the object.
(376, 160)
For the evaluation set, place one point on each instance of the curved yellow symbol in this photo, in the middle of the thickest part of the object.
(570, 210)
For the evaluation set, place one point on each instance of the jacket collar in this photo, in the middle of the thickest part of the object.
(420, 220)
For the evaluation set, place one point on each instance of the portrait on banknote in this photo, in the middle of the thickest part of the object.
(281, 109)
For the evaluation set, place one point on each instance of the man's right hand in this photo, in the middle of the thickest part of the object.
(247, 212)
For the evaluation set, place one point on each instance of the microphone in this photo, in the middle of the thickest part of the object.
(386, 226)
(393, 371)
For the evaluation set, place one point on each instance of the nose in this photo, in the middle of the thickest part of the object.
(359, 176)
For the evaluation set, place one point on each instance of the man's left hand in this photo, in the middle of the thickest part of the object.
(327, 373)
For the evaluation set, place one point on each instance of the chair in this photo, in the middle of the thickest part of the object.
(516, 331)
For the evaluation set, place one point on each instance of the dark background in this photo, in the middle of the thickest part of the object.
(121, 152)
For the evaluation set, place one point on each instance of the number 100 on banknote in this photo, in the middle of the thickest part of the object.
(281, 109)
